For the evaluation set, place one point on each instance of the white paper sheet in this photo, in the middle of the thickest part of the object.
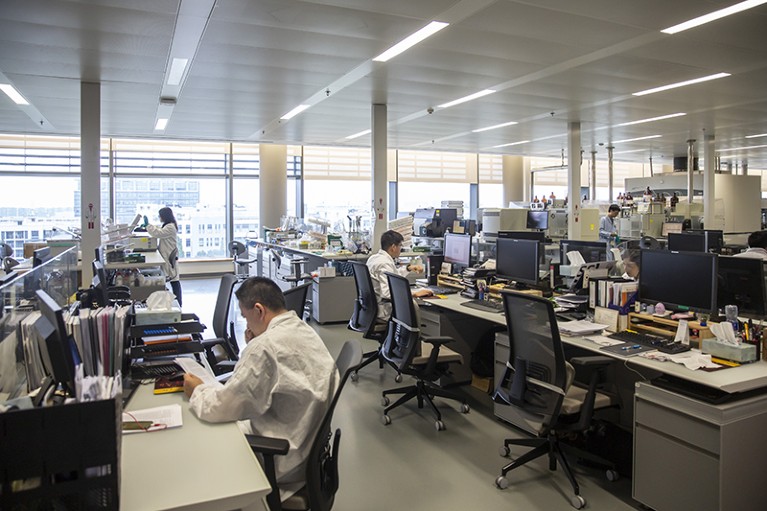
(188, 365)
(161, 417)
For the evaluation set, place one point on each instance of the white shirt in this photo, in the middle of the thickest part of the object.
(379, 264)
(754, 253)
(606, 228)
(281, 387)
(166, 243)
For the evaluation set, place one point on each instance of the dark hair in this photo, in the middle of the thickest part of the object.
(757, 239)
(261, 290)
(631, 255)
(614, 207)
(167, 217)
(390, 238)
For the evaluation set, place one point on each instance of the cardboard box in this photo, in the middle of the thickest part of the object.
(485, 384)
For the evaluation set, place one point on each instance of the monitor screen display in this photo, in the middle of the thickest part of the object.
(741, 282)
(680, 280)
(538, 220)
(592, 251)
(517, 260)
(61, 348)
(523, 235)
(458, 249)
(687, 242)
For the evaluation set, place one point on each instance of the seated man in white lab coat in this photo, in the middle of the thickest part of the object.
(281, 385)
(757, 246)
(381, 263)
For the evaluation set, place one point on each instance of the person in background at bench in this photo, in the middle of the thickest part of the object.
(757, 246)
(167, 245)
(383, 262)
(281, 385)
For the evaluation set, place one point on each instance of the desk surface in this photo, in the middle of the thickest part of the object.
(734, 379)
(197, 466)
(153, 260)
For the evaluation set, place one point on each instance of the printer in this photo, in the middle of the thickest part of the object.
(432, 222)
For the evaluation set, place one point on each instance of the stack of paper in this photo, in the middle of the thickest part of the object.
(581, 327)
(404, 226)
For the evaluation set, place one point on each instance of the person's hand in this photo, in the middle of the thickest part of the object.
(190, 383)
(421, 293)
(146, 221)
(415, 268)
(249, 334)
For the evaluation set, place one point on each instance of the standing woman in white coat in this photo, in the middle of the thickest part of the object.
(167, 237)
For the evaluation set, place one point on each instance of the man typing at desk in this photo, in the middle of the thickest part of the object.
(281, 385)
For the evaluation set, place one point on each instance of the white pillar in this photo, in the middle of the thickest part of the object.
(594, 175)
(709, 171)
(273, 185)
(513, 179)
(611, 197)
(379, 168)
(574, 180)
(90, 177)
(690, 166)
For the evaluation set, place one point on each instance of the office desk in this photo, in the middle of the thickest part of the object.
(197, 466)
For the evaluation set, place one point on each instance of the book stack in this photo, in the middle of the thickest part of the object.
(469, 279)
(613, 293)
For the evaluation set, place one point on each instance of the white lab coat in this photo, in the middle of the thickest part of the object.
(280, 387)
(754, 253)
(167, 237)
(379, 264)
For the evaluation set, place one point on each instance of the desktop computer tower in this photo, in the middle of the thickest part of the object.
(433, 267)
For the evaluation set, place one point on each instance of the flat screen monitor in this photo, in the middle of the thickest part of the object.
(680, 280)
(517, 260)
(714, 238)
(61, 348)
(741, 282)
(458, 249)
(592, 251)
(538, 220)
(684, 242)
(538, 236)
(40, 256)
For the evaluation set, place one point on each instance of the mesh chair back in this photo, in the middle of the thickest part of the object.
(403, 339)
(6, 250)
(536, 353)
(236, 249)
(322, 464)
(365, 304)
(221, 312)
(295, 298)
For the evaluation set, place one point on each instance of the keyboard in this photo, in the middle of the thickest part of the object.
(484, 305)
(442, 290)
(658, 342)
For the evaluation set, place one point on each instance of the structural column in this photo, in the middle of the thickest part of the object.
(513, 168)
(574, 180)
(379, 168)
(273, 185)
(593, 195)
(90, 177)
(611, 196)
(709, 170)
(690, 167)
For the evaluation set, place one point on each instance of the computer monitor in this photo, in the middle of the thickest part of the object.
(592, 251)
(40, 256)
(714, 238)
(518, 260)
(684, 242)
(680, 280)
(457, 250)
(61, 348)
(741, 282)
(538, 220)
(538, 236)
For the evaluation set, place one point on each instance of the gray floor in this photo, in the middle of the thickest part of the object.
(410, 465)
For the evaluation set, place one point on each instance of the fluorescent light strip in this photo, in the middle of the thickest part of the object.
(160, 125)
(297, 110)
(636, 139)
(360, 134)
(741, 148)
(467, 98)
(177, 68)
(757, 136)
(652, 119)
(681, 84)
(631, 151)
(12, 93)
(411, 40)
(512, 123)
(513, 143)
(712, 16)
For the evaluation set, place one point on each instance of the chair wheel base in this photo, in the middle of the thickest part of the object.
(385, 401)
(398, 378)
(612, 475)
(465, 408)
(439, 425)
(577, 501)
(504, 452)
(386, 420)
(354, 376)
(501, 482)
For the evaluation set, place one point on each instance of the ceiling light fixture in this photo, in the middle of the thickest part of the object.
(631, 151)
(757, 136)
(651, 119)
(12, 93)
(177, 68)
(297, 110)
(360, 134)
(712, 16)
(636, 139)
(741, 148)
(681, 84)
(513, 143)
(512, 123)
(411, 40)
(160, 125)
(464, 99)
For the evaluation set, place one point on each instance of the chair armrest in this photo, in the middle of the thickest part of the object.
(268, 445)
(592, 361)
(437, 340)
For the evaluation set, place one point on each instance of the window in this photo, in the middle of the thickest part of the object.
(490, 172)
(426, 178)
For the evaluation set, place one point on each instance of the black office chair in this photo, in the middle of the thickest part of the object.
(538, 383)
(237, 250)
(6, 256)
(365, 318)
(222, 351)
(425, 358)
(322, 477)
(295, 298)
(648, 242)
